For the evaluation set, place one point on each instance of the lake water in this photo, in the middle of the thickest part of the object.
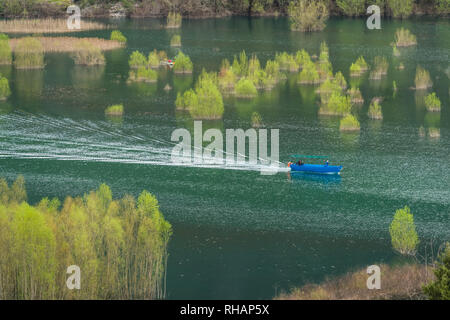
(239, 234)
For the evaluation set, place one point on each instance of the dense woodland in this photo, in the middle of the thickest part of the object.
(210, 8)
(120, 246)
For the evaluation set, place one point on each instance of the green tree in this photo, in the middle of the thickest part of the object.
(440, 288)
(403, 232)
(352, 7)
(306, 15)
(18, 192)
(400, 8)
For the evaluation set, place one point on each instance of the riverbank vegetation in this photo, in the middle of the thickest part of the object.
(439, 289)
(5, 91)
(46, 26)
(404, 38)
(349, 123)
(116, 35)
(422, 79)
(245, 89)
(120, 245)
(175, 41)
(28, 54)
(5, 50)
(432, 102)
(114, 110)
(355, 95)
(401, 282)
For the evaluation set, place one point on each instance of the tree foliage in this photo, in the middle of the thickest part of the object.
(440, 288)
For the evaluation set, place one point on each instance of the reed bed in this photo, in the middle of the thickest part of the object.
(70, 44)
(46, 26)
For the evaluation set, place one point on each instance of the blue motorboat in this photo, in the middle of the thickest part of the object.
(313, 168)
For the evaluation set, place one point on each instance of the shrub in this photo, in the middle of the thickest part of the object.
(434, 132)
(114, 110)
(442, 6)
(256, 120)
(380, 67)
(183, 64)
(137, 60)
(440, 288)
(400, 8)
(355, 95)
(118, 36)
(5, 50)
(87, 54)
(349, 123)
(175, 41)
(5, 92)
(173, 20)
(255, 73)
(273, 73)
(422, 79)
(29, 54)
(337, 105)
(309, 74)
(143, 74)
(403, 232)
(307, 15)
(375, 111)
(395, 51)
(352, 7)
(302, 58)
(245, 88)
(432, 102)
(404, 38)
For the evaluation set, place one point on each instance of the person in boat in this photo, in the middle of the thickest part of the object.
(326, 163)
(299, 162)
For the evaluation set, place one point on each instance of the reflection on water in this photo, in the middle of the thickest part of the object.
(87, 77)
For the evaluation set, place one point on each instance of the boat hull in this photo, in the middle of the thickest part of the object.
(316, 168)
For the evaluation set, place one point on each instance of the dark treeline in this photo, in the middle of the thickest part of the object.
(120, 246)
(209, 8)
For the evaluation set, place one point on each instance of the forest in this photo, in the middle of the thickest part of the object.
(119, 245)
